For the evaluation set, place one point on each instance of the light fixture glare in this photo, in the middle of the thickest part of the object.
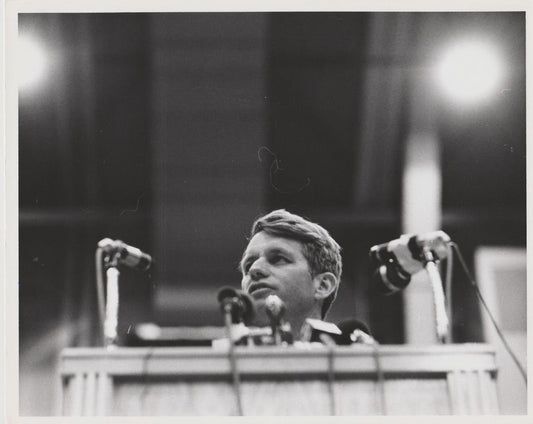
(469, 71)
(31, 62)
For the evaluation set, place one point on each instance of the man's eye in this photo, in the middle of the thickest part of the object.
(278, 258)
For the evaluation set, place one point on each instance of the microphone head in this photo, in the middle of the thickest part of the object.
(275, 308)
(347, 327)
(127, 255)
(389, 279)
(398, 259)
(225, 293)
(350, 324)
(134, 258)
(389, 276)
(242, 305)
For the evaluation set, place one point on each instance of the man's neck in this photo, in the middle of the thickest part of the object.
(300, 328)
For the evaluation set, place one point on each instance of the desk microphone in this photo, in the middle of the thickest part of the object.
(397, 260)
(126, 254)
(275, 309)
(238, 303)
(354, 331)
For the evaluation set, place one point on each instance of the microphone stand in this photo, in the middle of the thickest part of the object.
(438, 293)
(276, 330)
(113, 253)
(275, 309)
(228, 323)
(112, 302)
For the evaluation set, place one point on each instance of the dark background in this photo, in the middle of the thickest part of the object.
(172, 132)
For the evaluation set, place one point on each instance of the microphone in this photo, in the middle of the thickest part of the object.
(399, 259)
(126, 254)
(354, 331)
(239, 303)
(275, 309)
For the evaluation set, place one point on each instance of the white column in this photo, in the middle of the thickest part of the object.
(421, 208)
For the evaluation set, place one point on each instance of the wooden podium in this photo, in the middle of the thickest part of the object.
(319, 380)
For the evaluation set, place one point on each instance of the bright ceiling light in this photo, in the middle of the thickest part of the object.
(31, 62)
(470, 71)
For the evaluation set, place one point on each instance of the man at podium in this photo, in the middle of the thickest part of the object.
(295, 259)
(298, 262)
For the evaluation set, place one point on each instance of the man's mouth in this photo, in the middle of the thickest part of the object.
(259, 289)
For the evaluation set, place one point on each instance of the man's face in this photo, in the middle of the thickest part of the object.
(276, 265)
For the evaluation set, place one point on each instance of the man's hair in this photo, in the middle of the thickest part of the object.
(322, 252)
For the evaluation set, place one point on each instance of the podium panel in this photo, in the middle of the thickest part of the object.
(343, 380)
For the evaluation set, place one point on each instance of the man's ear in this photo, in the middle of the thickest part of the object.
(325, 284)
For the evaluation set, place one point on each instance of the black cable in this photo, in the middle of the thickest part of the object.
(144, 374)
(497, 328)
(330, 344)
(448, 294)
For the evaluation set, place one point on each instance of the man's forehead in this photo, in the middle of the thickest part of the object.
(263, 241)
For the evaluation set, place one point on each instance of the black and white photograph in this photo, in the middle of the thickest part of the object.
(260, 212)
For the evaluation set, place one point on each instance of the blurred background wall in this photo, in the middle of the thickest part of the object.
(172, 132)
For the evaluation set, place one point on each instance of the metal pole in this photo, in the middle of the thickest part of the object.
(438, 295)
(111, 319)
(232, 359)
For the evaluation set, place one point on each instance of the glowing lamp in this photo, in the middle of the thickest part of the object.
(31, 62)
(469, 71)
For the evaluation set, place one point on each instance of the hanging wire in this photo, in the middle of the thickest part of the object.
(331, 381)
(448, 296)
(497, 328)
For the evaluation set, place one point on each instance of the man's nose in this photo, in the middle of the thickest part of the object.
(258, 270)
